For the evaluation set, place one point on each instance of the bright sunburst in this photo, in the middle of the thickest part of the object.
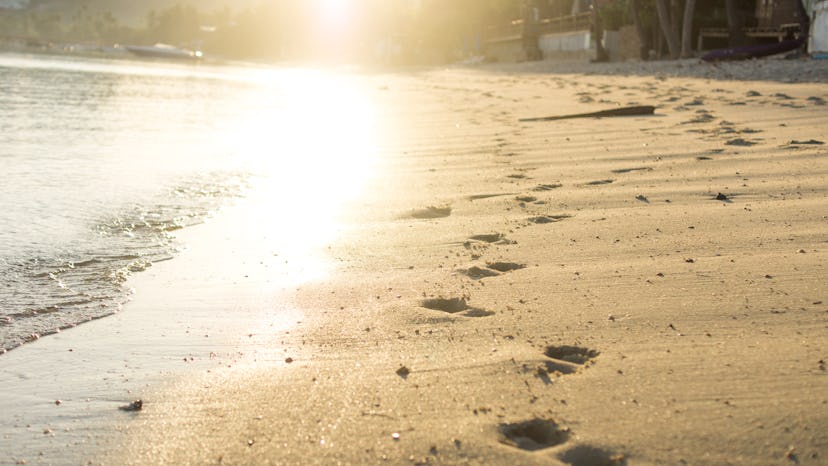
(334, 9)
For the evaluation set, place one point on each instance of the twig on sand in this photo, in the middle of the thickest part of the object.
(622, 111)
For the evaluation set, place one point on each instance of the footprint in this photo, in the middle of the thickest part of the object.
(809, 142)
(505, 266)
(586, 455)
(476, 273)
(454, 306)
(533, 435)
(545, 187)
(572, 354)
(628, 170)
(488, 238)
(740, 142)
(563, 360)
(475, 197)
(548, 218)
(432, 212)
(599, 182)
(474, 312)
(702, 117)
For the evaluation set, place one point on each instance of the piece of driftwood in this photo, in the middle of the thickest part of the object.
(622, 111)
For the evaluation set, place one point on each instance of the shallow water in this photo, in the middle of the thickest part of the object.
(102, 160)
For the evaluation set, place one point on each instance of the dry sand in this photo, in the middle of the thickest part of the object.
(567, 292)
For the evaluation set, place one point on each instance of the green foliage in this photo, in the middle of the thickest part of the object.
(613, 15)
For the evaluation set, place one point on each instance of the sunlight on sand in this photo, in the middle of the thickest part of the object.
(312, 145)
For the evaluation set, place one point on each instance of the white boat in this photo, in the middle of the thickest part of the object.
(164, 51)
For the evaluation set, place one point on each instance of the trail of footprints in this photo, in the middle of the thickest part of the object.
(544, 434)
(536, 434)
(459, 305)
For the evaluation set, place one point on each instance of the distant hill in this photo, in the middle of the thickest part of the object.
(128, 12)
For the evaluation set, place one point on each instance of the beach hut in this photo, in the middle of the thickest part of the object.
(818, 43)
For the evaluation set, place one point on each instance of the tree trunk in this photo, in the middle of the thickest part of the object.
(668, 29)
(734, 24)
(643, 37)
(687, 29)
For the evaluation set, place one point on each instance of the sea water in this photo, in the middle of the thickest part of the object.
(102, 160)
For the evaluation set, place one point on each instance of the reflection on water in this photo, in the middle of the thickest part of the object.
(313, 156)
(103, 159)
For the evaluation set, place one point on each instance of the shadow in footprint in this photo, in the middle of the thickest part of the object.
(474, 312)
(571, 354)
(454, 306)
(598, 182)
(548, 218)
(628, 170)
(740, 142)
(476, 273)
(505, 266)
(562, 367)
(475, 197)
(488, 238)
(809, 142)
(533, 435)
(545, 370)
(432, 212)
(585, 455)
(546, 187)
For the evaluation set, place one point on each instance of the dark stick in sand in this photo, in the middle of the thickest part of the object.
(623, 111)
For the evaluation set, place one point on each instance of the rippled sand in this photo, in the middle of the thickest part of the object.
(646, 290)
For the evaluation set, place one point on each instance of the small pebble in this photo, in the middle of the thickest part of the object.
(136, 405)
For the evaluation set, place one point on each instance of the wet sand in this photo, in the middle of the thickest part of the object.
(639, 290)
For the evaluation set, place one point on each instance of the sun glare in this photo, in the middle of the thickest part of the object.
(312, 140)
(335, 11)
(334, 6)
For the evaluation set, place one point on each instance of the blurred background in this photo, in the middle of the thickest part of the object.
(385, 31)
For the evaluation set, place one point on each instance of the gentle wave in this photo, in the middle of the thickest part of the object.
(44, 295)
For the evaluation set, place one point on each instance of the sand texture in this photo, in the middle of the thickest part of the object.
(648, 290)
(633, 290)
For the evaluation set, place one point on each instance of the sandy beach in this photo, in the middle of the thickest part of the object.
(633, 290)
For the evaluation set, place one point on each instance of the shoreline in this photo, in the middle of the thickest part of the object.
(186, 317)
(612, 325)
